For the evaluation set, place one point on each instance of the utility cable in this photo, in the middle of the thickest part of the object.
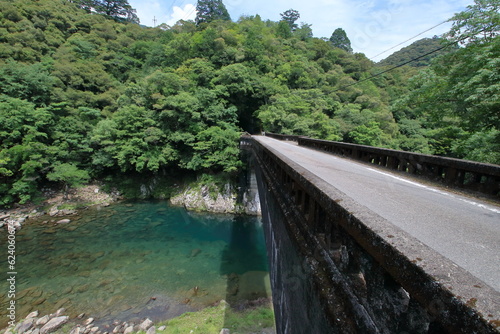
(409, 39)
(190, 13)
(412, 60)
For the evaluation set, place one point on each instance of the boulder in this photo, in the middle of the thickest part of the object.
(25, 326)
(88, 321)
(54, 324)
(64, 221)
(76, 330)
(162, 328)
(144, 326)
(128, 330)
(225, 331)
(151, 330)
(54, 211)
(43, 320)
(33, 314)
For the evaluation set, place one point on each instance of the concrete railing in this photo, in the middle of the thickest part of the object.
(480, 177)
(337, 267)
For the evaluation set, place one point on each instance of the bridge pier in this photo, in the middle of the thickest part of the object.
(336, 268)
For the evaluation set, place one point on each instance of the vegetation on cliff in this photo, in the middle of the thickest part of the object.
(90, 94)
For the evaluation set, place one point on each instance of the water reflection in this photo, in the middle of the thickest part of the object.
(136, 260)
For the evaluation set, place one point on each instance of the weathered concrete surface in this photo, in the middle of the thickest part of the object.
(465, 230)
(446, 293)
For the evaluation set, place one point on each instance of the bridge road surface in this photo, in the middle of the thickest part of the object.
(463, 229)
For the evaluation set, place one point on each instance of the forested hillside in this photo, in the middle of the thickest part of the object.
(424, 50)
(85, 95)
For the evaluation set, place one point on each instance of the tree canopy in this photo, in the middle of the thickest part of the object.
(211, 10)
(290, 17)
(340, 40)
(85, 95)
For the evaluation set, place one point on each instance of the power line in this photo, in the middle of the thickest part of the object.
(189, 13)
(412, 60)
(409, 39)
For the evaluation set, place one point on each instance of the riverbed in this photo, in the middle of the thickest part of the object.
(134, 260)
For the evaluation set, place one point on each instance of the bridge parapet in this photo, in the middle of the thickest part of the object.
(366, 275)
(480, 177)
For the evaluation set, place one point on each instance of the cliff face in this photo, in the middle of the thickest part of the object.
(209, 198)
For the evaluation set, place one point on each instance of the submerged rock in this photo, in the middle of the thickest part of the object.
(195, 252)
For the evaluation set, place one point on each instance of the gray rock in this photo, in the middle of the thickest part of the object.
(33, 314)
(128, 330)
(36, 331)
(64, 221)
(117, 329)
(162, 328)
(151, 330)
(54, 324)
(68, 212)
(144, 326)
(94, 330)
(225, 331)
(25, 326)
(54, 211)
(43, 320)
(88, 321)
(60, 312)
(75, 330)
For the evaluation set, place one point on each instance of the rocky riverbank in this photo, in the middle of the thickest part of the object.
(227, 198)
(58, 205)
(257, 317)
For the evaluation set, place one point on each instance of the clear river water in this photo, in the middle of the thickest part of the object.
(129, 261)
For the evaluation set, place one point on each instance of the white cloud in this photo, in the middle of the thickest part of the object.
(147, 10)
(186, 13)
(372, 25)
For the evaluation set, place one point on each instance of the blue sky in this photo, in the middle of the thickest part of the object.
(373, 26)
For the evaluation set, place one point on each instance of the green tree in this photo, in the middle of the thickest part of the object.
(457, 98)
(211, 10)
(480, 23)
(340, 40)
(69, 175)
(290, 16)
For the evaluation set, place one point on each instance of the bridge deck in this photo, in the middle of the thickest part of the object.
(465, 230)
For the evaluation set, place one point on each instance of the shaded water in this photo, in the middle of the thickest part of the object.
(129, 261)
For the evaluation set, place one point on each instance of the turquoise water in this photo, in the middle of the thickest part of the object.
(129, 261)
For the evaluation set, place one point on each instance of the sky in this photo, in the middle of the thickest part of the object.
(373, 26)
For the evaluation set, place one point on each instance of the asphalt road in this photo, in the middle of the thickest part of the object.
(463, 229)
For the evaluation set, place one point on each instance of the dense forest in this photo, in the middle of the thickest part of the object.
(87, 93)
(420, 53)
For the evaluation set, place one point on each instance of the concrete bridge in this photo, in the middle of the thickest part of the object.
(357, 248)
